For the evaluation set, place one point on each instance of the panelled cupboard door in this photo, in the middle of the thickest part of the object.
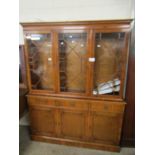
(42, 120)
(40, 60)
(106, 127)
(110, 58)
(73, 124)
(73, 59)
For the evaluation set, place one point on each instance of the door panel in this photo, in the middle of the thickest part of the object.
(106, 127)
(73, 124)
(108, 53)
(40, 61)
(42, 120)
(73, 61)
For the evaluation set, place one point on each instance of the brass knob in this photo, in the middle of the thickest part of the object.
(57, 103)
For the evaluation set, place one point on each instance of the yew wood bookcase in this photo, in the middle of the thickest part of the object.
(76, 75)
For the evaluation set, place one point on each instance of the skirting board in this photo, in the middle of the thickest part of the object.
(76, 143)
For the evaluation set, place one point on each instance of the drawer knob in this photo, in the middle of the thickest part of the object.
(105, 107)
(72, 104)
(57, 103)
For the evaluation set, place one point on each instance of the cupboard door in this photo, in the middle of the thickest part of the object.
(109, 53)
(73, 61)
(42, 120)
(106, 127)
(73, 124)
(40, 61)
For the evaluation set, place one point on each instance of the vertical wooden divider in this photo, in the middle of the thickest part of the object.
(27, 64)
(53, 60)
(56, 62)
(57, 122)
(90, 64)
(56, 80)
(124, 60)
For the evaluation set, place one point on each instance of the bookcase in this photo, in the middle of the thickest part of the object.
(76, 75)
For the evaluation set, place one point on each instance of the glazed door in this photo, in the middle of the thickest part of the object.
(73, 59)
(110, 53)
(40, 61)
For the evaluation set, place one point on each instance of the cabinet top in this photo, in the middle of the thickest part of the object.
(94, 22)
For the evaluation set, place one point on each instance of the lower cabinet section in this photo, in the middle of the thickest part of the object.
(87, 123)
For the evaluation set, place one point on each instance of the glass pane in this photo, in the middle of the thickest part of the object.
(40, 61)
(72, 58)
(107, 73)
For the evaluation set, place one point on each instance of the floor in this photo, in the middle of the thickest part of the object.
(28, 147)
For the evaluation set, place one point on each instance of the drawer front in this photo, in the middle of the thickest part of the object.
(72, 104)
(106, 106)
(100, 106)
(37, 100)
(59, 103)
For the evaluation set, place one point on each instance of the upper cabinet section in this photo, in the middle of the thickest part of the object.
(78, 59)
(40, 62)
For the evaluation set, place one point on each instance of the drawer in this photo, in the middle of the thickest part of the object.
(71, 104)
(57, 102)
(107, 106)
(37, 100)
